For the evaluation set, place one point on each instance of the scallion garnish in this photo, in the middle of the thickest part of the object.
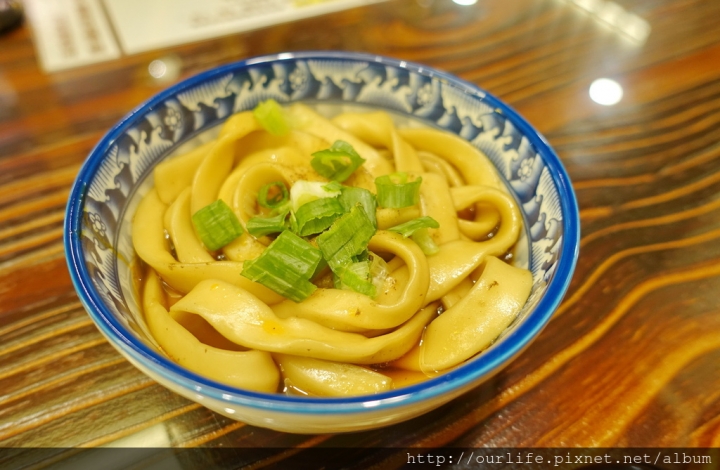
(338, 162)
(290, 285)
(347, 237)
(417, 229)
(303, 192)
(352, 196)
(269, 114)
(408, 228)
(316, 216)
(425, 241)
(261, 226)
(394, 191)
(362, 256)
(356, 276)
(333, 186)
(273, 195)
(378, 270)
(286, 266)
(216, 225)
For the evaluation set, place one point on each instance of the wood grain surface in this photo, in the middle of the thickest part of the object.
(630, 359)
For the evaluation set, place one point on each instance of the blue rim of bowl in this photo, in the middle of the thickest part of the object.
(464, 376)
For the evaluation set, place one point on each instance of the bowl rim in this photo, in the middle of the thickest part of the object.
(464, 376)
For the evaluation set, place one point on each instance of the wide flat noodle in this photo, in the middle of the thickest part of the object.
(177, 173)
(457, 259)
(473, 164)
(388, 218)
(244, 319)
(435, 164)
(437, 202)
(379, 129)
(188, 247)
(349, 310)
(294, 166)
(313, 123)
(504, 214)
(474, 322)
(331, 379)
(219, 160)
(320, 341)
(248, 184)
(149, 242)
(251, 370)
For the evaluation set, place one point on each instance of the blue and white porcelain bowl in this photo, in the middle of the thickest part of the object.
(97, 224)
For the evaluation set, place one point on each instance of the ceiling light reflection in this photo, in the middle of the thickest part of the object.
(157, 69)
(465, 2)
(606, 92)
(165, 69)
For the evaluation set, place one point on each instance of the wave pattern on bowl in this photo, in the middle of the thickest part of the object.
(413, 91)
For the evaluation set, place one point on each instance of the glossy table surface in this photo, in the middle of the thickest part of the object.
(631, 358)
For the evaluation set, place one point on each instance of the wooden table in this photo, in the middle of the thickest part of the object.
(631, 358)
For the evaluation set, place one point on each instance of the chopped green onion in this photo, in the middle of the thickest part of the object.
(425, 242)
(408, 228)
(272, 198)
(351, 196)
(362, 256)
(378, 271)
(394, 191)
(299, 254)
(216, 225)
(337, 283)
(290, 285)
(286, 266)
(316, 216)
(418, 230)
(356, 276)
(261, 226)
(347, 237)
(333, 186)
(338, 162)
(269, 114)
(320, 269)
(303, 192)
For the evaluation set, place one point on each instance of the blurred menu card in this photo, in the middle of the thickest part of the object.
(70, 33)
(142, 25)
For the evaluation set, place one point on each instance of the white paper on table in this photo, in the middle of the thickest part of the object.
(70, 33)
(143, 25)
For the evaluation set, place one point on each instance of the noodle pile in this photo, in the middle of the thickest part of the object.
(430, 313)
